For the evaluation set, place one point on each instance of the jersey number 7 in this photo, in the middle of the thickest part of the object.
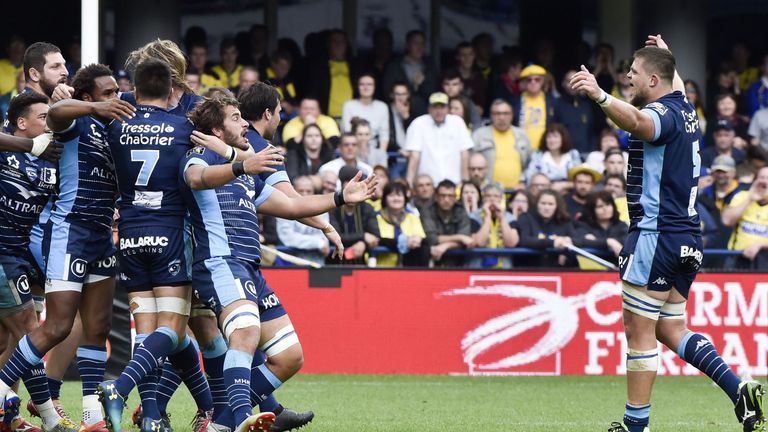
(148, 159)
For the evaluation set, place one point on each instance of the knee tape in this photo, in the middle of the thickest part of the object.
(39, 304)
(673, 311)
(243, 317)
(143, 305)
(639, 302)
(284, 339)
(174, 305)
(199, 310)
(642, 361)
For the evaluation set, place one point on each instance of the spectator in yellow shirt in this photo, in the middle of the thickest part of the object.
(12, 65)
(401, 230)
(748, 214)
(229, 70)
(534, 109)
(309, 112)
(506, 148)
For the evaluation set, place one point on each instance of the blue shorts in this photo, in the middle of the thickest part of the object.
(152, 257)
(661, 260)
(218, 282)
(18, 273)
(77, 255)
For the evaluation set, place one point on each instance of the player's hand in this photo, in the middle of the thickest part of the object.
(115, 109)
(335, 239)
(263, 161)
(61, 92)
(52, 153)
(584, 82)
(44, 147)
(358, 191)
(657, 41)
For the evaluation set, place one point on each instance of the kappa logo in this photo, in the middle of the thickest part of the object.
(701, 343)
(78, 267)
(660, 281)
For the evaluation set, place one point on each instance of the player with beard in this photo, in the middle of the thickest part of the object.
(663, 251)
(26, 183)
(223, 202)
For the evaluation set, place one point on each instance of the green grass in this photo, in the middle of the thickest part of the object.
(443, 403)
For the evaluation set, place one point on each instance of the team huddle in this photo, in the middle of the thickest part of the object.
(185, 176)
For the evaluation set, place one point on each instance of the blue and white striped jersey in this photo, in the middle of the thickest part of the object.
(662, 174)
(87, 184)
(224, 220)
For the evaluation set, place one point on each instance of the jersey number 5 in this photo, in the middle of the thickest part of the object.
(148, 159)
(696, 173)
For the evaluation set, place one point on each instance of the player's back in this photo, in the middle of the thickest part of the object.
(662, 175)
(26, 184)
(87, 178)
(147, 150)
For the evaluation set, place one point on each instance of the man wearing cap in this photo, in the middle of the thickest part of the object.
(723, 138)
(533, 109)
(439, 144)
(124, 83)
(505, 148)
(584, 179)
(718, 196)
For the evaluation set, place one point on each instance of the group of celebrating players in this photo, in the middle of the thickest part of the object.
(181, 170)
(187, 175)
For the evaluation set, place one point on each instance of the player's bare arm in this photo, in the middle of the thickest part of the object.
(62, 113)
(40, 146)
(219, 147)
(210, 177)
(625, 116)
(356, 191)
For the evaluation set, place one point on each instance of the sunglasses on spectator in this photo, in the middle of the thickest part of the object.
(500, 113)
(535, 78)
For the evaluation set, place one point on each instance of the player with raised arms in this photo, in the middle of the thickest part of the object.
(662, 253)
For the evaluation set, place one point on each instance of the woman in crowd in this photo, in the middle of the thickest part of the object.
(519, 203)
(600, 226)
(555, 157)
(725, 109)
(608, 140)
(459, 106)
(469, 197)
(546, 225)
(401, 230)
(307, 158)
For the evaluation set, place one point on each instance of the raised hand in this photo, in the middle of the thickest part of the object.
(358, 191)
(657, 41)
(115, 109)
(263, 161)
(583, 81)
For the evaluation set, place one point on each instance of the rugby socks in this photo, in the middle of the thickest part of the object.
(186, 360)
(24, 358)
(145, 359)
(37, 383)
(237, 379)
(213, 360)
(263, 384)
(91, 363)
(54, 386)
(147, 387)
(49, 414)
(699, 352)
(166, 386)
(636, 418)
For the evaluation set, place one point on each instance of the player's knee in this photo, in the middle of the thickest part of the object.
(242, 327)
(173, 312)
(284, 350)
(57, 330)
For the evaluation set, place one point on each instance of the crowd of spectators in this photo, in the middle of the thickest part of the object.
(491, 151)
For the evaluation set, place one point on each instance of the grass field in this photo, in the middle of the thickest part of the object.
(352, 403)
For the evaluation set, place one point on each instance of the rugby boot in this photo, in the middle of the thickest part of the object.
(152, 425)
(64, 425)
(203, 422)
(619, 427)
(749, 407)
(99, 426)
(136, 417)
(289, 419)
(32, 409)
(257, 422)
(113, 405)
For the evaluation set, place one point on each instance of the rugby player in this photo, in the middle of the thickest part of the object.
(26, 183)
(662, 253)
(223, 202)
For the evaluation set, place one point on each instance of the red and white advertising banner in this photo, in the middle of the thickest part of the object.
(506, 323)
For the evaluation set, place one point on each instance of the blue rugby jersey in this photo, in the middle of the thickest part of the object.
(87, 171)
(26, 184)
(224, 220)
(258, 143)
(147, 150)
(662, 175)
